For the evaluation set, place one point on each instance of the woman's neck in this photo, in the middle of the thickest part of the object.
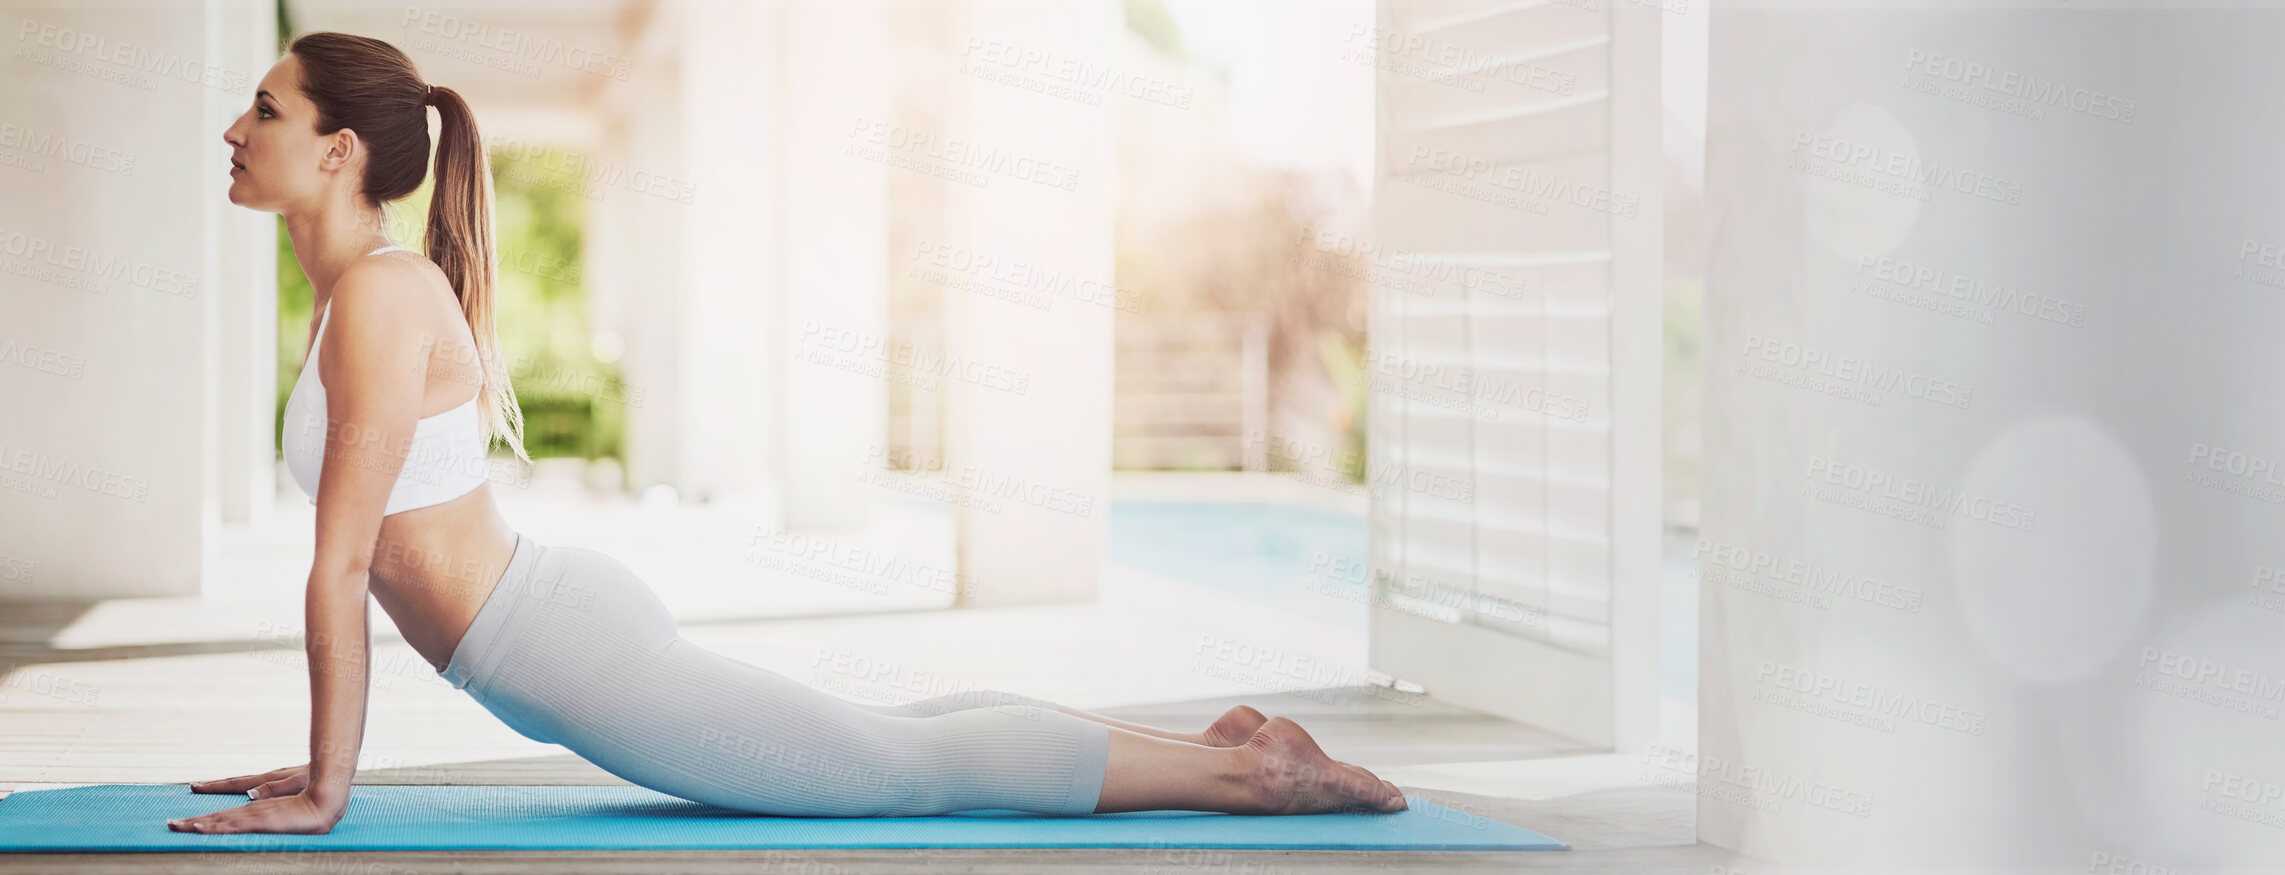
(325, 242)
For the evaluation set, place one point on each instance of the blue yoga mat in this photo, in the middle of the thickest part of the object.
(133, 817)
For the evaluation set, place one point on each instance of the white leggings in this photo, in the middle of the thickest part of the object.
(571, 648)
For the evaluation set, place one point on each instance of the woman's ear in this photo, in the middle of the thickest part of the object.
(341, 147)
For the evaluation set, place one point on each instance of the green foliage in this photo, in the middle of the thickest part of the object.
(1344, 359)
(293, 314)
(1150, 20)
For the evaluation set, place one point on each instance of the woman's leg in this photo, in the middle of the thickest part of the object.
(1230, 730)
(1278, 771)
(691, 723)
(592, 661)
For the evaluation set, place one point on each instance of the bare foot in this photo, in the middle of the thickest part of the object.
(1234, 727)
(1241, 722)
(1296, 777)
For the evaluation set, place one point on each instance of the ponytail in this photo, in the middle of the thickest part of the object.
(366, 84)
(460, 242)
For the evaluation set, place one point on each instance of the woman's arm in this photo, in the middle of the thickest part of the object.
(374, 365)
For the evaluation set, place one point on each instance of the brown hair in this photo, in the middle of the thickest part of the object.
(369, 86)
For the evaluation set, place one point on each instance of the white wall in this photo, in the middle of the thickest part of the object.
(1999, 692)
(116, 239)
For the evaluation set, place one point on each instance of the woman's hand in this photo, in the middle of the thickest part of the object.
(299, 813)
(281, 782)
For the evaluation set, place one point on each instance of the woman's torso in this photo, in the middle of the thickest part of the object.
(434, 566)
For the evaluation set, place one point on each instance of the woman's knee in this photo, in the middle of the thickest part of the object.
(969, 700)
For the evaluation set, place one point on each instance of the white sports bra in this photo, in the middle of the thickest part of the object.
(446, 460)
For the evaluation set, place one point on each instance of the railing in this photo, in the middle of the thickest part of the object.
(1189, 389)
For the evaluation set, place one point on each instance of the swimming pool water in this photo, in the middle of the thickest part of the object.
(1295, 559)
(1244, 548)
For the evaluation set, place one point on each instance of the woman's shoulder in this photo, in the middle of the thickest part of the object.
(381, 291)
(402, 268)
(374, 303)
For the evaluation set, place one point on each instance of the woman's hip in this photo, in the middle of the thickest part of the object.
(557, 610)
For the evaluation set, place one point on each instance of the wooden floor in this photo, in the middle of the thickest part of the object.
(169, 712)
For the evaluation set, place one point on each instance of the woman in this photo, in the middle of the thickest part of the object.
(387, 429)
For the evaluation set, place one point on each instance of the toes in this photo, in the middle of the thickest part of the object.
(1377, 795)
(1362, 774)
(1247, 717)
(1308, 781)
(1235, 726)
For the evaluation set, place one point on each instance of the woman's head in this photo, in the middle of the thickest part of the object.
(341, 123)
(338, 115)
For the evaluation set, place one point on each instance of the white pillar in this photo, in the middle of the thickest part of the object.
(245, 312)
(1028, 429)
(111, 236)
(689, 270)
(832, 276)
(728, 140)
(772, 241)
(653, 284)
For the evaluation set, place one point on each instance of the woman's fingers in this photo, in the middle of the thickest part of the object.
(292, 814)
(242, 783)
(238, 784)
(286, 786)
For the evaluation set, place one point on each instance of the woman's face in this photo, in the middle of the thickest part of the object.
(279, 162)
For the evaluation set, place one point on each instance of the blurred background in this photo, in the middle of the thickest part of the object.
(1347, 359)
(1018, 294)
(1154, 355)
